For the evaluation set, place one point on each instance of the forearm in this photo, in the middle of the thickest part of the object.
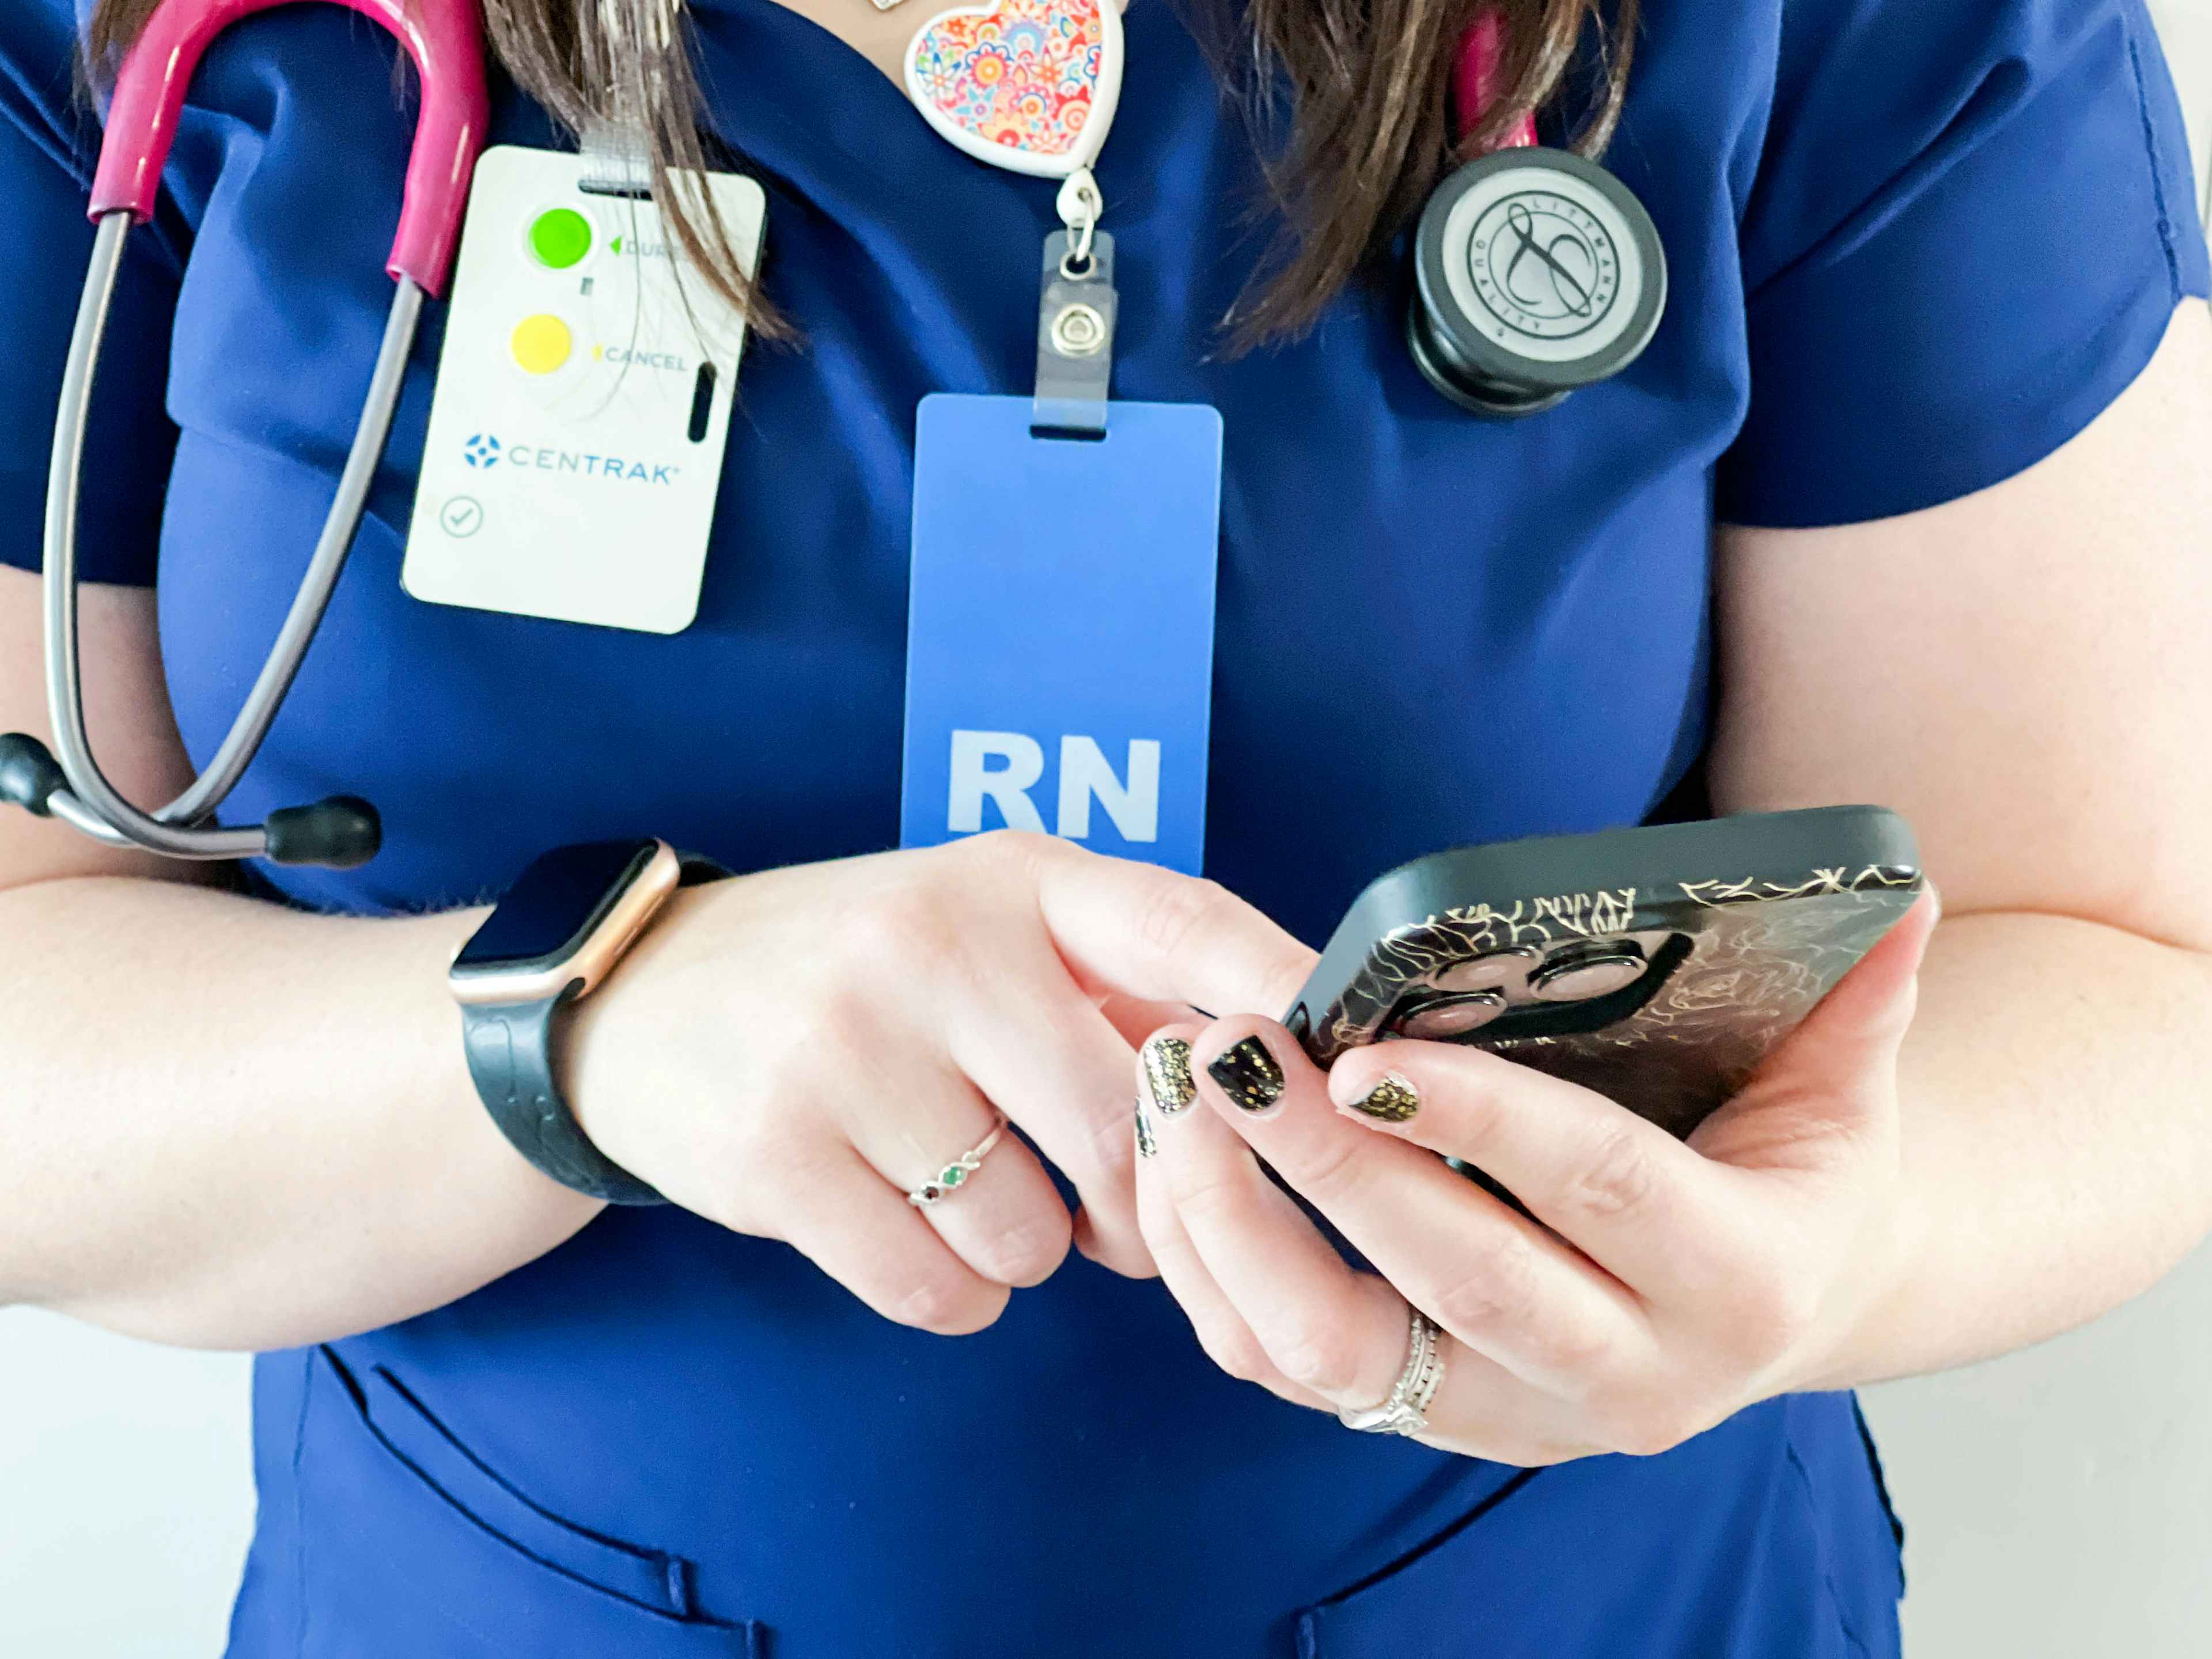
(226, 1124)
(2057, 1138)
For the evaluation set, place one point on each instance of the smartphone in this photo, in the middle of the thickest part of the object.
(1658, 966)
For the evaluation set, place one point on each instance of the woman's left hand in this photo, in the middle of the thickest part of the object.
(1668, 1285)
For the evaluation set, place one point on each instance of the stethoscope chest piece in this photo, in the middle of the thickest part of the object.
(1537, 273)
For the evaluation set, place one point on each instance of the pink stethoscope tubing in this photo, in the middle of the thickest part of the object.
(1476, 71)
(446, 40)
(444, 36)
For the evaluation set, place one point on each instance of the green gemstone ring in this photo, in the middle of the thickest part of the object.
(950, 1178)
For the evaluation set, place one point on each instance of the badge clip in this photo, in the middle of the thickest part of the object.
(1075, 321)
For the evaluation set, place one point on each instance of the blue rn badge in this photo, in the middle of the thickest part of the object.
(1059, 633)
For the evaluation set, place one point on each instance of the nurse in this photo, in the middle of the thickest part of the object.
(1905, 502)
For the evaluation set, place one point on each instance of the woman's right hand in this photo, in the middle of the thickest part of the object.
(789, 1053)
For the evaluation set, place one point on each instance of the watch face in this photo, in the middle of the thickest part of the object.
(556, 905)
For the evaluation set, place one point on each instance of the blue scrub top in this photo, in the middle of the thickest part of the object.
(1915, 247)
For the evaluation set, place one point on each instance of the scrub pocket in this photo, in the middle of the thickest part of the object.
(410, 1546)
(1713, 1551)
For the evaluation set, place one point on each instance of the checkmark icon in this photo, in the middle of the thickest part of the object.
(462, 516)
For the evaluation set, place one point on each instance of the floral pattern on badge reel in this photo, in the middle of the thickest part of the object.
(1021, 73)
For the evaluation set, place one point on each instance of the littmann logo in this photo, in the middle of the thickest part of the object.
(483, 450)
(1544, 262)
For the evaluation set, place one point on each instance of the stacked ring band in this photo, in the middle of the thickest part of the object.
(950, 1179)
(1404, 1412)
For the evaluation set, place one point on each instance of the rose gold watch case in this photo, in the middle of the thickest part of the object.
(595, 957)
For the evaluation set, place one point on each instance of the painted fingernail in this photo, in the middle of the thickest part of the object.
(1167, 1075)
(1390, 1101)
(1146, 1146)
(1248, 1074)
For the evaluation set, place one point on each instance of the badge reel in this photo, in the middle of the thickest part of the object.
(1059, 659)
(583, 398)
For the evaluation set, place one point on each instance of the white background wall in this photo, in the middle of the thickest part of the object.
(2059, 1501)
(126, 1495)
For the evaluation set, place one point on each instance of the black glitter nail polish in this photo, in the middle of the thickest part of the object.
(1248, 1074)
(1390, 1101)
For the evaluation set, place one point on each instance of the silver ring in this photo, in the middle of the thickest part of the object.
(951, 1178)
(1404, 1412)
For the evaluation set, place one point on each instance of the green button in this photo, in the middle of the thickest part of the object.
(559, 238)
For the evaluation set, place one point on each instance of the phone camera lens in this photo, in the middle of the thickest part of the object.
(1491, 971)
(1586, 969)
(1452, 1016)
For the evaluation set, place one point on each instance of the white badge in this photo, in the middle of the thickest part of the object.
(582, 405)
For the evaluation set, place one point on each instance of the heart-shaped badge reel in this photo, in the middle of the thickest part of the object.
(1028, 85)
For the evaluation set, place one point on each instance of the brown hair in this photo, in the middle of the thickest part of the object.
(1367, 132)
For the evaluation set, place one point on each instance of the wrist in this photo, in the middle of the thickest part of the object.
(606, 1046)
(1856, 1345)
(568, 921)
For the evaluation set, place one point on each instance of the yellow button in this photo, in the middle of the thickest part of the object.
(542, 343)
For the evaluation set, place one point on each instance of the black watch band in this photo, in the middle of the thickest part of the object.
(510, 1055)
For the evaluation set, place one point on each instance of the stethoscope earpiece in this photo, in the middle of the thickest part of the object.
(1536, 273)
(341, 833)
(29, 776)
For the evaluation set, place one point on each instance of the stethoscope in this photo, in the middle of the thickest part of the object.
(446, 40)
(1537, 273)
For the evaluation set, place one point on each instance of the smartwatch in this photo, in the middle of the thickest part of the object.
(560, 930)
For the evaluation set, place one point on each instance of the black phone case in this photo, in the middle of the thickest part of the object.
(1743, 924)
